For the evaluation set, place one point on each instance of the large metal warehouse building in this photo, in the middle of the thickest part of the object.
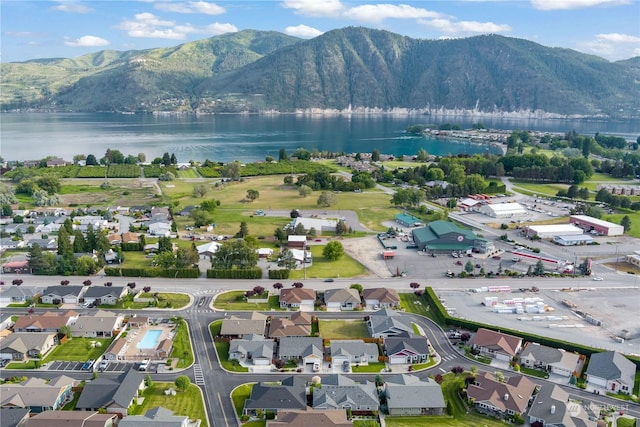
(551, 230)
(596, 226)
(503, 210)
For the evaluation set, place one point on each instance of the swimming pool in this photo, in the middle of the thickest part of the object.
(150, 339)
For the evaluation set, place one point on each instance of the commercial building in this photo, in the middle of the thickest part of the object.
(503, 210)
(597, 226)
(583, 239)
(551, 230)
(444, 236)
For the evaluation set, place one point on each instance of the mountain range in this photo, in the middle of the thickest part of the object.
(353, 68)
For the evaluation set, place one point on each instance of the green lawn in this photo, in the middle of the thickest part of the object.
(134, 259)
(164, 300)
(182, 345)
(235, 301)
(189, 402)
(626, 422)
(535, 372)
(371, 367)
(188, 173)
(222, 349)
(323, 267)
(635, 221)
(343, 329)
(543, 189)
(78, 350)
(443, 421)
(239, 395)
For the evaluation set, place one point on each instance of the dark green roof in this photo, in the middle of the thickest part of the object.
(448, 246)
(441, 227)
(406, 218)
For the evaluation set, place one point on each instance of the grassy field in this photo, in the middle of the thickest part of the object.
(189, 402)
(78, 349)
(544, 189)
(188, 173)
(323, 267)
(125, 192)
(182, 346)
(343, 329)
(235, 300)
(443, 421)
(635, 222)
(222, 349)
(626, 422)
(239, 395)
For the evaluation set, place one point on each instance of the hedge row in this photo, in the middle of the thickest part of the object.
(235, 273)
(178, 273)
(279, 274)
(440, 313)
(131, 247)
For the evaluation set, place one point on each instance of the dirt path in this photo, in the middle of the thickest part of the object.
(367, 251)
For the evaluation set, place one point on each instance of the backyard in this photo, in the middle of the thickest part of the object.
(236, 301)
(323, 267)
(189, 402)
(74, 350)
(343, 329)
(222, 349)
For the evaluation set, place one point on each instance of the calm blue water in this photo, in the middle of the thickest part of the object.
(150, 339)
(247, 137)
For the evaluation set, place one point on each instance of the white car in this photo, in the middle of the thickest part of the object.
(598, 279)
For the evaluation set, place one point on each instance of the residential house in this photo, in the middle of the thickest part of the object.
(49, 321)
(207, 250)
(496, 344)
(8, 243)
(38, 394)
(186, 211)
(13, 417)
(406, 350)
(49, 244)
(410, 395)
(16, 267)
(552, 407)
(130, 237)
(115, 395)
(353, 352)
(46, 228)
(361, 399)
(96, 221)
(62, 294)
(299, 325)
(553, 360)
(160, 213)
(114, 239)
(23, 345)
(389, 323)
(71, 419)
(311, 418)
(342, 299)
(105, 295)
(375, 298)
(274, 397)
(56, 162)
(300, 298)
(256, 350)
(17, 295)
(14, 228)
(157, 417)
(308, 350)
(236, 327)
(611, 371)
(159, 227)
(101, 324)
(494, 397)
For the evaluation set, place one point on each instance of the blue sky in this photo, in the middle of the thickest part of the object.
(47, 29)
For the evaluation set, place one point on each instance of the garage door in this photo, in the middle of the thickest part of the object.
(394, 360)
(71, 300)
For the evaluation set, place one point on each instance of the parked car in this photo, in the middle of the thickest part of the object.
(328, 280)
(103, 365)
(144, 365)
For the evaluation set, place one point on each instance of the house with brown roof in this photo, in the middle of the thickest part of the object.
(71, 419)
(311, 418)
(50, 321)
(341, 299)
(300, 298)
(299, 325)
(237, 327)
(375, 298)
(130, 237)
(116, 350)
(498, 398)
(16, 267)
(164, 348)
(496, 344)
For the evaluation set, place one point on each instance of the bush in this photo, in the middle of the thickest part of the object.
(279, 274)
(235, 273)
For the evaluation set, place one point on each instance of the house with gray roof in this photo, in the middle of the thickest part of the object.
(308, 350)
(237, 327)
(342, 299)
(337, 379)
(553, 407)
(556, 361)
(38, 394)
(101, 324)
(62, 294)
(116, 395)
(362, 399)
(410, 395)
(381, 298)
(256, 350)
(353, 351)
(23, 345)
(105, 295)
(12, 417)
(49, 244)
(270, 397)
(17, 295)
(611, 371)
(406, 350)
(157, 417)
(389, 323)
(71, 419)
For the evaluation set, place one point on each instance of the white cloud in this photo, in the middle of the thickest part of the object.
(314, 7)
(148, 25)
(466, 27)
(203, 7)
(376, 13)
(303, 31)
(87, 41)
(613, 46)
(573, 4)
(72, 7)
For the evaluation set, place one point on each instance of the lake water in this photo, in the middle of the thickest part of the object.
(247, 138)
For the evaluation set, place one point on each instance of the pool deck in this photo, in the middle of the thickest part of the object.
(135, 336)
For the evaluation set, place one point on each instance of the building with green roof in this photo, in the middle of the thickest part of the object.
(407, 220)
(445, 236)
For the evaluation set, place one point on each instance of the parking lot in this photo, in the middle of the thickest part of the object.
(77, 366)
